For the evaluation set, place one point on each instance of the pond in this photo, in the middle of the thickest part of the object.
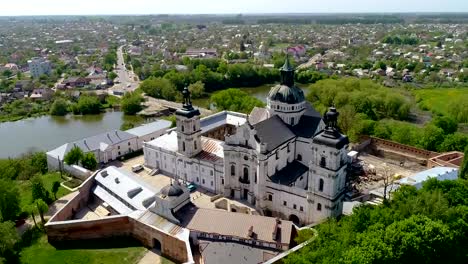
(48, 132)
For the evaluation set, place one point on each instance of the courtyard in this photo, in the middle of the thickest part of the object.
(200, 197)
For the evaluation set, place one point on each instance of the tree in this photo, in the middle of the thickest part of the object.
(87, 104)
(448, 124)
(131, 103)
(235, 100)
(31, 209)
(55, 188)
(9, 200)
(38, 190)
(113, 75)
(73, 156)
(159, 88)
(197, 89)
(89, 161)
(42, 208)
(59, 107)
(388, 181)
(39, 162)
(463, 173)
(431, 138)
(8, 239)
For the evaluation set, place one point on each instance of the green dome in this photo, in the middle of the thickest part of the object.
(286, 94)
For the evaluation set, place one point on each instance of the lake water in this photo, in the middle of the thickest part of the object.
(48, 132)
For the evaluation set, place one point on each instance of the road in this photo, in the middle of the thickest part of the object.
(126, 77)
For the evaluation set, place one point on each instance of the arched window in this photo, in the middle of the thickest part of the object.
(182, 128)
(246, 174)
(233, 170)
(195, 144)
(292, 120)
(183, 146)
(319, 207)
(299, 157)
(321, 185)
(323, 162)
(194, 128)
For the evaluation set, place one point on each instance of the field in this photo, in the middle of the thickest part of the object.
(41, 252)
(48, 179)
(440, 100)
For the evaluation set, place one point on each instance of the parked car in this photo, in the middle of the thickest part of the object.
(137, 167)
(191, 186)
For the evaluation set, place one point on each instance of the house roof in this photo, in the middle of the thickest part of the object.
(308, 124)
(441, 173)
(92, 143)
(289, 174)
(122, 190)
(273, 132)
(236, 224)
(150, 128)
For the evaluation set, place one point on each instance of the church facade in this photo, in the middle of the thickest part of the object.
(286, 159)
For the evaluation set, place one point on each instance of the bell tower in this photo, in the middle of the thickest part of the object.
(188, 127)
(328, 170)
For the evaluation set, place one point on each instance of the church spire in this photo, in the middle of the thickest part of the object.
(287, 73)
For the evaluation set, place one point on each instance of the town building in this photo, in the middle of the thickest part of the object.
(285, 159)
(39, 66)
(110, 145)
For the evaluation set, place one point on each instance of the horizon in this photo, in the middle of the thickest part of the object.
(245, 7)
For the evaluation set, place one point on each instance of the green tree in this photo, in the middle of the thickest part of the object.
(59, 107)
(431, 137)
(113, 75)
(9, 200)
(55, 188)
(89, 161)
(31, 210)
(42, 208)
(38, 190)
(131, 103)
(235, 100)
(73, 156)
(448, 124)
(159, 88)
(197, 89)
(39, 162)
(463, 173)
(87, 104)
(8, 239)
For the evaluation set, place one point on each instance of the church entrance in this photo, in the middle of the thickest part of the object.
(293, 218)
(246, 194)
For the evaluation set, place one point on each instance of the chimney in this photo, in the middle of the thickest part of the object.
(250, 232)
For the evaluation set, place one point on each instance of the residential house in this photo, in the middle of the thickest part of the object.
(42, 94)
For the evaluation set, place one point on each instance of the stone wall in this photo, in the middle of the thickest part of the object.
(394, 150)
(118, 227)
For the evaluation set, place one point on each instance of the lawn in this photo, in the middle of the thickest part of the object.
(41, 252)
(439, 100)
(48, 180)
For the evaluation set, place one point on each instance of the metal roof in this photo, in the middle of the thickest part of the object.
(92, 143)
(149, 128)
(124, 187)
(441, 173)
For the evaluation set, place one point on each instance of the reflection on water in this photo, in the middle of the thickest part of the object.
(48, 132)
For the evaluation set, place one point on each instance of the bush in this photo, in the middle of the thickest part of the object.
(89, 161)
(131, 103)
(59, 107)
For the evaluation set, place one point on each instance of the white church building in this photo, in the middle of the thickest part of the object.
(286, 159)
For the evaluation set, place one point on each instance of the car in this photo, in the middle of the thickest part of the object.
(191, 186)
(137, 167)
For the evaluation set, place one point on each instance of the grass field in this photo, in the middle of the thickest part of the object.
(41, 252)
(440, 100)
(48, 180)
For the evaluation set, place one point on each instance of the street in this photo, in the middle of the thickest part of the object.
(126, 77)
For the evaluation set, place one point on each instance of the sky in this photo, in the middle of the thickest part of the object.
(93, 7)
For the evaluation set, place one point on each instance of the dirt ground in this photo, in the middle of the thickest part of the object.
(376, 167)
